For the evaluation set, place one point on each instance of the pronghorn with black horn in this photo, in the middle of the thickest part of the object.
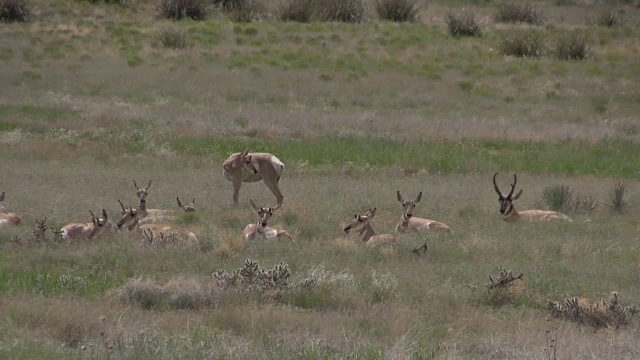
(260, 228)
(131, 221)
(509, 212)
(7, 218)
(187, 208)
(360, 223)
(416, 224)
(140, 191)
(88, 231)
(252, 167)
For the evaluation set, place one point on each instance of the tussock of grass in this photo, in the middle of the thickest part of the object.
(350, 11)
(243, 10)
(557, 198)
(397, 10)
(173, 37)
(608, 18)
(617, 197)
(463, 23)
(15, 10)
(572, 46)
(183, 9)
(523, 43)
(520, 11)
(295, 10)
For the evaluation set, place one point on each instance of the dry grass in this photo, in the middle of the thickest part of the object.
(183, 9)
(519, 12)
(397, 10)
(15, 10)
(464, 23)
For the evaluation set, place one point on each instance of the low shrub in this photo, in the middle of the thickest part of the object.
(14, 10)
(523, 43)
(173, 37)
(182, 9)
(608, 18)
(351, 11)
(242, 10)
(295, 10)
(572, 46)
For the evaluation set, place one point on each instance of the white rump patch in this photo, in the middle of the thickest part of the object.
(277, 164)
(271, 233)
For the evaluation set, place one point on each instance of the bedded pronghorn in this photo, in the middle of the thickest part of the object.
(360, 223)
(146, 216)
(131, 222)
(416, 224)
(142, 194)
(252, 167)
(7, 218)
(509, 212)
(77, 231)
(260, 228)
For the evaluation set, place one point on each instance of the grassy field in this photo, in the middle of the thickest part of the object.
(91, 101)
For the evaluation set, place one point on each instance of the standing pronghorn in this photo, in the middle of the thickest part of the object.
(260, 228)
(416, 224)
(509, 212)
(131, 221)
(7, 218)
(77, 231)
(252, 167)
(361, 224)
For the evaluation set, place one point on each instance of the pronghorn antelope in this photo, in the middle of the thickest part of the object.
(131, 221)
(77, 231)
(411, 223)
(140, 191)
(7, 218)
(252, 167)
(509, 212)
(148, 215)
(260, 228)
(360, 223)
(142, 194)
(187, 208)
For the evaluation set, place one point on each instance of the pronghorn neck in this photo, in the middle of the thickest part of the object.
(405, 220)
(367, 232)
(512, 214)
(134, 226)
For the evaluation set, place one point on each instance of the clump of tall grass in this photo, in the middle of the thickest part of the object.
(242, 10)
(608, 18)
(397, 10)
(617, 197)
(584, 204)
(183, 9)
(572, 46)
(295, 10)
(519, 12)
(464, 23)
(15, 10)
(557, 197)
(351, 11)
(523, 43)
(173, 37)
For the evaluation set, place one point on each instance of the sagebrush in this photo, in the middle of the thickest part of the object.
(397, 10)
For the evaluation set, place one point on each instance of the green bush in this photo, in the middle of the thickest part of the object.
(14, 10)
(519, 12)
(463, 23)
(523, 43)
(182, 9)
(397, 10)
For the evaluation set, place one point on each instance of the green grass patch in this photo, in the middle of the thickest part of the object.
(6, 126)
(38, 113)
(604, 158)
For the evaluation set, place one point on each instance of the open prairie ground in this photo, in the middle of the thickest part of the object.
(91, 100)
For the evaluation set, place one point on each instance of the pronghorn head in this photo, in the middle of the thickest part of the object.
(129, 216)
(408, 205)
(125, 209)
(506, 202)
(187, 208)
(141, 192)
(100, 223)
(264, 213)
(245, 158)
(360, 221)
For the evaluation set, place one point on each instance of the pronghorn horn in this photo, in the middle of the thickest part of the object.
(193, 202)
(372, 212)
(495, 186)
(148, 186)
(136, 185)
(400, 198)
(513, 186)
(122, 205)
(104, 214)
(245, 152)
(2, 196)
(92, 216)
(418, 198)
(252, 204)
(179, 202)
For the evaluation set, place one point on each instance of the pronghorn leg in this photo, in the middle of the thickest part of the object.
(275, 189)
(283, 234)
(236, 190)
(423, 248)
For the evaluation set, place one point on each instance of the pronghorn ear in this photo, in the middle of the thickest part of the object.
(2, 196)
(136, 185)
(104, 214)
(253, 204)
(193, 202)
(245, 152)
(179, 202)
(372, 212)
(517, 195)
(355, 216)
(400, 198)
(417, 200)
(148, 186)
